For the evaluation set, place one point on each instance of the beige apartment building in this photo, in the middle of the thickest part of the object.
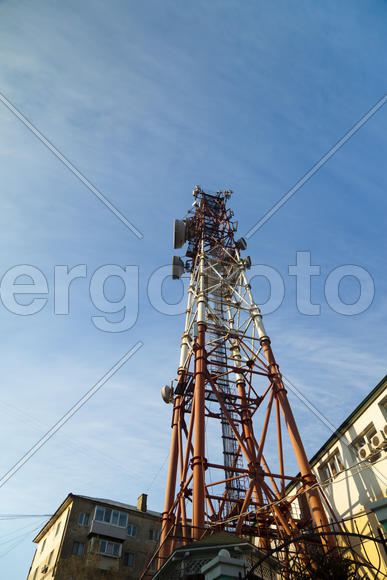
(351, 466)
(92, 538)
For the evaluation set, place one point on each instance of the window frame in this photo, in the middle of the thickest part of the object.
(80, 547)
(383, 407)
(83, 519)
(332, 466)
(323, 471)
(106, 553)
(113, 514)
(128, 556)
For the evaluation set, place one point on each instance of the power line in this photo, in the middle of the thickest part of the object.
(72, 443)
(341, 437)
(322, 161)
(69, 414)
(23, 516)
(19, 539)
(19, 530)
(158, 472)
(289, 498)
(71, 167)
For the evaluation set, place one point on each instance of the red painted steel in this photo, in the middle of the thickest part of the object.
(218, 380)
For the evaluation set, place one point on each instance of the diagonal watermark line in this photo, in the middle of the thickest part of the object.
(70, 413)
(324, 420)
(70, 166)
(316, 167)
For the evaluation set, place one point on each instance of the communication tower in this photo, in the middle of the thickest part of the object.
(232, 423)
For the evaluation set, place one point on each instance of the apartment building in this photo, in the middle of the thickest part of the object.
(92, 538)
(351, 466)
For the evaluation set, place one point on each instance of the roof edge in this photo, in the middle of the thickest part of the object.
(65, 503)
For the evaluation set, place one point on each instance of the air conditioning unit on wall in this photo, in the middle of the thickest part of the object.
(379, 441)
(366, 451)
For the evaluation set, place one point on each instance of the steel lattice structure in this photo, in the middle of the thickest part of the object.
(228, 377)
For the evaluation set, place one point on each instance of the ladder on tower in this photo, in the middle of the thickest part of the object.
(236, 488)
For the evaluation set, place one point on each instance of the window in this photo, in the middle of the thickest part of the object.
(109, 516)
(128, 559)
(383, 407)
(78, 548)
(323, 472)
(132, 530)
(331, 467)
(110, 548)
(57, 529)
(339, 461)
(83, 519)
(50, 558)
(43, 545)
(119, 519)
(153, 534)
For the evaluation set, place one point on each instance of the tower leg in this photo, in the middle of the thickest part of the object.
(317, 510)
(167, 518)
(199, 460)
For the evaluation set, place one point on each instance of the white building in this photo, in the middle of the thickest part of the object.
(352, 468)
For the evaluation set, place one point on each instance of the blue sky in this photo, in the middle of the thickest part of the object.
(147, 99)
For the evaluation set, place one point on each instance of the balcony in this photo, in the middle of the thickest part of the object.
(108, 530)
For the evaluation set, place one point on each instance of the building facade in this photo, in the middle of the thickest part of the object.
(91, 538)
(352, 470)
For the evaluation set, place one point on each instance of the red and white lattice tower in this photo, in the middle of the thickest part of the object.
(229, 395)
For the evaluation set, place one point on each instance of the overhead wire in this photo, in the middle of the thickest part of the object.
(69, 414)
(19, 529)
(288, 497)
(321, 417)
(23, 516)
(19, 539)
(71, 442)
(158, 472)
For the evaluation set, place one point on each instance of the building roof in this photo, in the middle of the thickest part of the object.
(218, 538)
(54, 517)
(70, 498)
(363, 405)
(118, 504)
